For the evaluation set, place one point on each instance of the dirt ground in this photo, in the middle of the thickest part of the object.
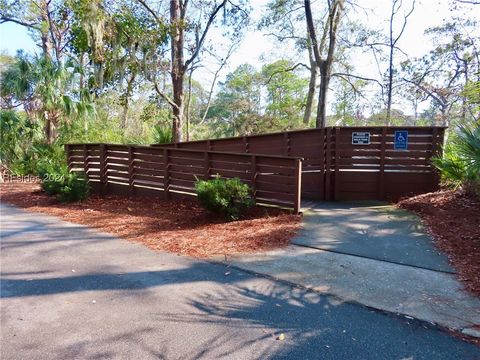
(453, 220)
(179, 226)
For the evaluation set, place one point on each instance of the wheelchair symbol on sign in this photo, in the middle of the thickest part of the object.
(401, 140)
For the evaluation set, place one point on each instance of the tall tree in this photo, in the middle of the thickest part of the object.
(191, 34)
(48, 20)
(443, 73)
(392, 46)
(324, 50)
(43, 88)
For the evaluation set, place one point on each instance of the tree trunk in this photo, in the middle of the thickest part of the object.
(178, 69)
(311, 88)
(51, 119)
(325, 65)
(321, 120)
(189, 102)
(126, 103)
(390, 83)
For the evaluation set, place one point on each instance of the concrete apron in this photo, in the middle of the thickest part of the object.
(386, 262)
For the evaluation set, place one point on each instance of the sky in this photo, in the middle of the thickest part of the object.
(257, 48)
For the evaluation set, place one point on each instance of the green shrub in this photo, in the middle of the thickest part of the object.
(460, 164)
(29, 161)
(58, 181)
(229, 197)
(162, 135)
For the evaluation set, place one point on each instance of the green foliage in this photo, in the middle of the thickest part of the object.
(57, 180)
(16, 138)
(21, 147)
(229, 197)
(45, 90)
(162, 135)
(253, 102)
(460, 165)
(286, 93)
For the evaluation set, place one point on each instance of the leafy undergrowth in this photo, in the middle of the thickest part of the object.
(177, 226)
(453, 220)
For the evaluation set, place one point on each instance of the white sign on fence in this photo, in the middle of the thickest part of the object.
(360, 138)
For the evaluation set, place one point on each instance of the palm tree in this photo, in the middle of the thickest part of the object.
(44, 89)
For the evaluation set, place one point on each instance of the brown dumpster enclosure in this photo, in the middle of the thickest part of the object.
(334, 168)
(333, 163)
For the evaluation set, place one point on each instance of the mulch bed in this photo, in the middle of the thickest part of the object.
(179, 226)
(453, 220)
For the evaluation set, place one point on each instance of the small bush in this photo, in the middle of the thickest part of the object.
(229, 197)
(58, 181)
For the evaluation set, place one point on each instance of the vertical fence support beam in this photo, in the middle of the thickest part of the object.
(381, 187)
(336, 186)
(130, 170)
(206, 165)
(209, 145)
(245, 144)
(297, 206)
(166, 173)
(103, 168)
(328, 156)
(287, 144)
(253, 175)
(322, 165)
(436, 151)
(85, 160)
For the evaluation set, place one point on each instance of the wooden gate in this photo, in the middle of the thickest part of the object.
(395, 162)
(339, 165)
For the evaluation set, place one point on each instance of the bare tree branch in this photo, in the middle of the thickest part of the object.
(163, 95)
(286, 70)
(4, 19)
(200, 42)
(150, 10)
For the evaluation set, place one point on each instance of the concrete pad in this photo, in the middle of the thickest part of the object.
(428, 295)
(373, 230)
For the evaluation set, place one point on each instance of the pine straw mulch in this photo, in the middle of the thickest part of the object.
(453, 220)
(179, 226)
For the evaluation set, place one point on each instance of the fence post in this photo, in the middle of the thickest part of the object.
(206, 165)
(253, 175)
(336, 185)
(436, 150)
(85, 160)
(381, 187)
(166, 173)
(328, 156)
(245, 143)
(103, 167)
(130, 170)
(287, 144)
(322, 164)
(298, 186)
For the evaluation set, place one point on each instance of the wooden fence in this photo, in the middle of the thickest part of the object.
(334, 168)
(163, 171)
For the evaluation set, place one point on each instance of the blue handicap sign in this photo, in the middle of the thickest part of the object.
(401, 140)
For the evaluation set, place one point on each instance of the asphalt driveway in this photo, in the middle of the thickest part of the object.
(68, 292)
